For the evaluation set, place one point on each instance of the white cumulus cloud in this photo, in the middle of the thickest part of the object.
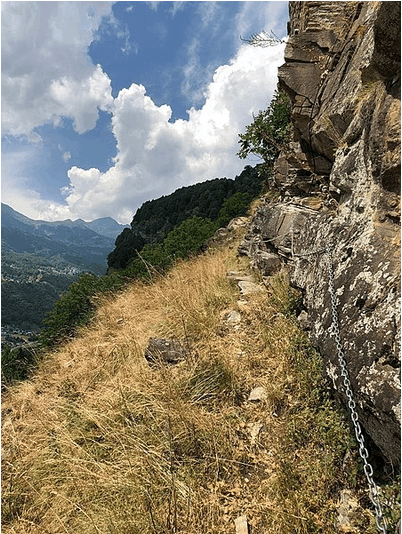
(46, 72)
(48, 75)
(156, 156)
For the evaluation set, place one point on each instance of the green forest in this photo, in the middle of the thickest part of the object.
(30, 286)
(156, 218)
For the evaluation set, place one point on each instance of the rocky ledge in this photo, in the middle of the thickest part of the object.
(338, 181)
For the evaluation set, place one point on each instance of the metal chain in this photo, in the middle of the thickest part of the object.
(368, 470)
(314, 253)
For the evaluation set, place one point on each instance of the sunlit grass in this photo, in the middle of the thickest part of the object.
(99, 442)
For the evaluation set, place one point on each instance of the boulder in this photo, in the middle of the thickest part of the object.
(165, 351)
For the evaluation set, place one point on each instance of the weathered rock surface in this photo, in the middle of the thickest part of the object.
(258, 394)
(348, 512)
(254, 431)
(241, 525)
(339, 180)
(233, 317)
(165, 351)
(247, 288)
(228, 233)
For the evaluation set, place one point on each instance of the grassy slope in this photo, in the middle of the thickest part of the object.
(97, 442)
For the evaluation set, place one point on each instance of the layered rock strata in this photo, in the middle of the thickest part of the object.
(339, 183)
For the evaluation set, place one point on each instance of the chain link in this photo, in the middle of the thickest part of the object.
(368, 470)
(314, 253)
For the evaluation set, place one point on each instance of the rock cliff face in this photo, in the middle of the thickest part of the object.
(339, 182)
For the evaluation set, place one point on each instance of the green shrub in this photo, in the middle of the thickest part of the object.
(269, 131)
(151, 260)
(235, 206)
(76, 306)
(189, 237)
(16, 363)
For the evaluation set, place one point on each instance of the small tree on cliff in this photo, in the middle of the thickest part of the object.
(268, 132)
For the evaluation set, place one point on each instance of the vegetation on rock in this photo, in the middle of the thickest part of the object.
(267, 134)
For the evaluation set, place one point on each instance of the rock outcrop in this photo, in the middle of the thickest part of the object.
(339, 183)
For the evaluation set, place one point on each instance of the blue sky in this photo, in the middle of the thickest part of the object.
(108, 104)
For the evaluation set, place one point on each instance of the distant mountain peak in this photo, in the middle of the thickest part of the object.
(104, 226)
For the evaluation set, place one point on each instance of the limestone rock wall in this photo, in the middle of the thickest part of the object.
(339, 182)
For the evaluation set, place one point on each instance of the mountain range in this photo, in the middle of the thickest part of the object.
(40, 259)
(85, 244)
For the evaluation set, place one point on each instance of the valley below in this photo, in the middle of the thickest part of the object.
(40, 260)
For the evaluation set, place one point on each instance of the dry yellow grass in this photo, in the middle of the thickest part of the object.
(98, 442)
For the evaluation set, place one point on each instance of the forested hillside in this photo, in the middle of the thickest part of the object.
(156, 218)
(30, 285)
(85, 245)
